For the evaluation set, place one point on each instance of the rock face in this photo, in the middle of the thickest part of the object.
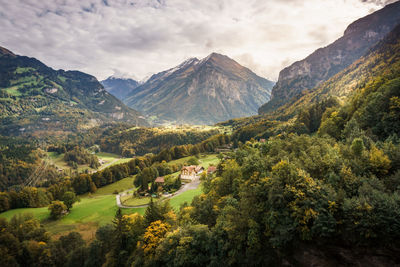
(205, 91)
(119, 87)
(325, 62)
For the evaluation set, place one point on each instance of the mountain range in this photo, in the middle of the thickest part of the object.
(119, 87)
(205, 91)
(213, 89)
(35, 97)
(325, 62)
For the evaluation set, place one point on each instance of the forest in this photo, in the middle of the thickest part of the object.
(268, 200)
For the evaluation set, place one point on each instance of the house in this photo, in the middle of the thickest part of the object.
(159, 180)
(191, 172)
(199, 169)
(211, 169)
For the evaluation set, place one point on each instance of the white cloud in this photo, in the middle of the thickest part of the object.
(139, 37)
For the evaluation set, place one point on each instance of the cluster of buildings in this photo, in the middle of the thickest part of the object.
(191, 173)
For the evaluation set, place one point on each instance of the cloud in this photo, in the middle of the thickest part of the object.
(138, 37)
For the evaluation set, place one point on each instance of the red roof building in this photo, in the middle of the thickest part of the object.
(159, 180)
(211, 169)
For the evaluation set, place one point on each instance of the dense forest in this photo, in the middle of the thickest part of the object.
(267, 204)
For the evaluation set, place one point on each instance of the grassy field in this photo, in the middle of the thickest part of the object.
(205, 160)
(188, 127)
(120, 186)
(86, 216)
(209, 160)
(98, 209)
(128, 200)
(58, 161)
(109, 159)
(187, 196)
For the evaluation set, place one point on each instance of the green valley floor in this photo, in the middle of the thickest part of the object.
(98, 209)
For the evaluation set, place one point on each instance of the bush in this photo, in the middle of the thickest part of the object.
(57, 209)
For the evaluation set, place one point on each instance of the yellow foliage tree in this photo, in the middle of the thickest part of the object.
(153, 236)
(379, 162)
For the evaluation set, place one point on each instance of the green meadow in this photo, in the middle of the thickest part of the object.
(99, 208)
(110, 159)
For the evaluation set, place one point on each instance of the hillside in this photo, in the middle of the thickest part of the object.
(376, 73)
(34, 97)
(381, 61)
(119, 87)
(205, 91)
(325, 62)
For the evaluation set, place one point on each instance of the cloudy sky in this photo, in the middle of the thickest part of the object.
(138, 37)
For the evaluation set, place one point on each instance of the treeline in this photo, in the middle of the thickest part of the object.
(84, 183)
(140, 141)
(128, 141)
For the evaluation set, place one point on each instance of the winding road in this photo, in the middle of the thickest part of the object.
(189, 186)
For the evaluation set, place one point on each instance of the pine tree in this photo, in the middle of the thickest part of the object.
(153, 213)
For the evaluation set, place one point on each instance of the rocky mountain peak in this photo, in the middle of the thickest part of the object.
(325, 62)
(209, 90)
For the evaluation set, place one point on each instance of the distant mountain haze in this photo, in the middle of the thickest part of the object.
(35, 97)
(325, 62)
(119, 87)
(205, 91)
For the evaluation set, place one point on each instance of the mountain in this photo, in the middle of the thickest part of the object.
(34, 97)
(205, 91)
(325, 62)
(364, 96)
(380, 62)
(119, 87)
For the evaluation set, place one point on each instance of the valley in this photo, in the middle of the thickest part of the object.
(106, 160)
(98, 209)
(204, 162)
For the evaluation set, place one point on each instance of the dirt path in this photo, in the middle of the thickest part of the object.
(189, 186)
(108, 164)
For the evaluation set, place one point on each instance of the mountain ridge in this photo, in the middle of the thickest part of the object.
(37, 97)
(325, 62)
(345, 83)
(209, 90)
